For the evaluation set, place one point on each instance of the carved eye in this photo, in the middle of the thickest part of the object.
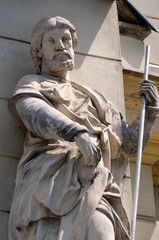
(51, 40)
(66, 38)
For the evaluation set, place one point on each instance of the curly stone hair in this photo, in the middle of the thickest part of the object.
(44, 25)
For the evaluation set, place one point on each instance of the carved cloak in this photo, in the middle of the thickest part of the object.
(51, 182)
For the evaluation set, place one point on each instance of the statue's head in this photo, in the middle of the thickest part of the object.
(52, 45)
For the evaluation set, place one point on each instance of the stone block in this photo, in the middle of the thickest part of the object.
(15, 62)
(126, 194)
(11, 137)
(132, 52)
(147, 229)
(156, 192)
(153, 40)
(94, 21)
(8, 168)
(100, 74)
(146, 204)
(4, 225)
(149, 8)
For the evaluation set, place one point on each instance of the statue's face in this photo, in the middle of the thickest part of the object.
(57, 51)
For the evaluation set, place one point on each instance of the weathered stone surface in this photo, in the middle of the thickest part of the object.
(147, 229)
(8, 168)
(94, 24)
(126, 194)
(153, 40)
(133, 50)
(149, 9)
(146, 204)
(156, 193)
(12, 141)
(16, 57)
(73, 133)
(4, 225)
(103, 75)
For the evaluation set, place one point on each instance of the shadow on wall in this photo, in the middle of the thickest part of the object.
(132, 51)
(87, 16)
(146, 229)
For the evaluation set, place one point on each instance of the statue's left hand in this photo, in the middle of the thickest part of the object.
(88, 148)
(149, 90)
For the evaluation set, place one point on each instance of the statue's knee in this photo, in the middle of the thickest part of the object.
(101, 228)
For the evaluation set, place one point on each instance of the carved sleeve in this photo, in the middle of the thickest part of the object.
(45, 121)
(130, 132)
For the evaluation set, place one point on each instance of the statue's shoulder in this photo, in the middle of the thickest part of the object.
(29, 78)
(28, 84)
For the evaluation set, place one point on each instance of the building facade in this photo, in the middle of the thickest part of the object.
(104, 58)
(133, 58)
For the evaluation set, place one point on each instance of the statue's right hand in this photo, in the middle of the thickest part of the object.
(88, 148)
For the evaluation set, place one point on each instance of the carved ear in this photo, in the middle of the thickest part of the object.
(38, 52)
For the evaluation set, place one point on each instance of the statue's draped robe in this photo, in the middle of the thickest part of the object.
(51, 179)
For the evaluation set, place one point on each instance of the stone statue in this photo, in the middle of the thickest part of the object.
(64, 186)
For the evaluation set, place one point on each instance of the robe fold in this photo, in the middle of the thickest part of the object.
(52, 181)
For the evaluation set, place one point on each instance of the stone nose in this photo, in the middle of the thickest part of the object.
(60, 46)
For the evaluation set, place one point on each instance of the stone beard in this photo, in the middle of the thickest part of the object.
(58, 64)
